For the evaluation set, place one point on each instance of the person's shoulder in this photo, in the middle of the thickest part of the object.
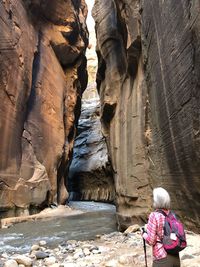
(153, 214)
(158, 213)
(162, 213)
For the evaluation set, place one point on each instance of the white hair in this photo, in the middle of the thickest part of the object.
(161, 198)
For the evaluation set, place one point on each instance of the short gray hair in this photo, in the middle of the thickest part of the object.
(161, 198)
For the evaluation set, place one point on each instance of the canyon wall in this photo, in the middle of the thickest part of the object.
(42, 77)
(122, 89)
(90, 172)
(148, 81)
(171, 55)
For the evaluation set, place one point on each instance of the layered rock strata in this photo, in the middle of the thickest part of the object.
(42, 77)
(171, 55)
(122, 90)
(148, 82)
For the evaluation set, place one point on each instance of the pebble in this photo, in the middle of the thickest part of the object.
(35, 247)
(132, 229)
(42, 243)
(112, 263)
(41, 255)
(11, 263)
(22, 259)
(86, 251)
(50, 261)
(186, 256)
(109, 250)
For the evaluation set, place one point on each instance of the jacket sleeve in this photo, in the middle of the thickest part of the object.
(151, 230)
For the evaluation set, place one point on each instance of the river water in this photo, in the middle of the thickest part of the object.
(98, 218)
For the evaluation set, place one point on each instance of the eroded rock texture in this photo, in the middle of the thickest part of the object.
(148, 81)
(90, 173)
(171, 38)
(42, 77)
(122, 91)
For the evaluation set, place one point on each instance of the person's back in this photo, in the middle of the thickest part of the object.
(155, 230)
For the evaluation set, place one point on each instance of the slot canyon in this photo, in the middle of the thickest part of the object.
(135, 127)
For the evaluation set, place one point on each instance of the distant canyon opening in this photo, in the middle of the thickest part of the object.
(90, 173)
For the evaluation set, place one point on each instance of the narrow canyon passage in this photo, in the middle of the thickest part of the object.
(148, 85)
(90, 173)
(99, 118)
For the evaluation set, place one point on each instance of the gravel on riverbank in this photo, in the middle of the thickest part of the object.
(111, 250)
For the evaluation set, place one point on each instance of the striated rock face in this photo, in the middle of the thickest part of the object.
(148, 82)
(42, 77)
(122, 91)
(171, 38)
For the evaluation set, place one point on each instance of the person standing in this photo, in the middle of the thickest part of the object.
(154, 230)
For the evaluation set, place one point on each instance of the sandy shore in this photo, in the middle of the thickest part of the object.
(60, 211)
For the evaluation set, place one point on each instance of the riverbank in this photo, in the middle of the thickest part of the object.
(60, 211)
(110, 250)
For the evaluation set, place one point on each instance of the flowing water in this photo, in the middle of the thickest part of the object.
(98, 218)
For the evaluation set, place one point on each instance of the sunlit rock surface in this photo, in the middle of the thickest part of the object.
(42, 77)
(92, 62)
(148, 81)
(122, 90)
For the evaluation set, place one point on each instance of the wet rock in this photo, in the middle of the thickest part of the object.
(41, 255)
